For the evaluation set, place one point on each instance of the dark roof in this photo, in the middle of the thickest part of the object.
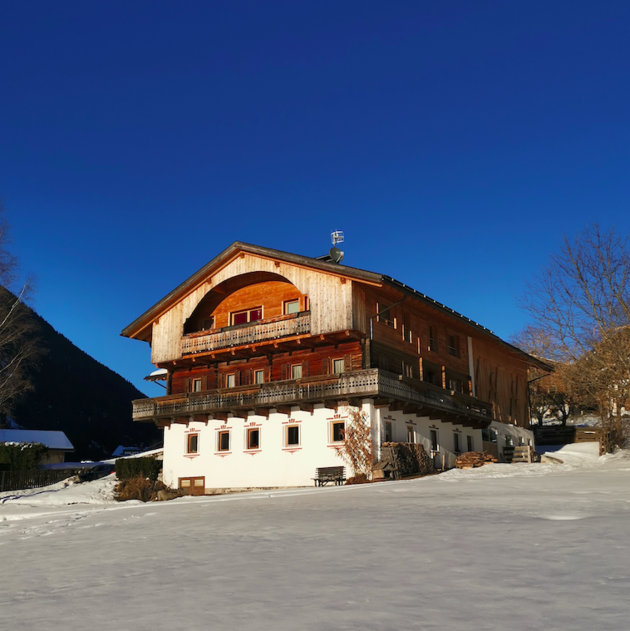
(325, 266)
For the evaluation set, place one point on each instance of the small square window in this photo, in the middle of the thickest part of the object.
(338, 431)
(338, 366)
(296, 371)
(291, 306)
(193, 443)
(230, 381)
(293, 435)
(259, 376)
(196, 385)
(253, 438)
(223, 441)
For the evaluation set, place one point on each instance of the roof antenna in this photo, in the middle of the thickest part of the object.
(335, 253)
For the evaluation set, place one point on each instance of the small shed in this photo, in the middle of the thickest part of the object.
(56, 441)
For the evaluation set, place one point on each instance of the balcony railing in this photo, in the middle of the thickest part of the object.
(242, 334)
(358, 384)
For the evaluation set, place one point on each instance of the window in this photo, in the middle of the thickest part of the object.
(253, 438)
(489, 435)
(432, 340)
(292, 435)
(509, 441)
(389, 432)
(208, 323)
(408, 370)
(230, 381)
(259, 376)
(456, 446)
(243, 317)
(192, 442)
(338, 431)
(223, 441)
(434, 440)
(196, 385)
(453, 345)
(291, 306)
(338, 366)
(470, 445)
(296, 371)
(456, 385)
(411, 435)
(383, 314)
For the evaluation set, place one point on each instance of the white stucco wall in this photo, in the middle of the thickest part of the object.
(273, 465)
(277, 465)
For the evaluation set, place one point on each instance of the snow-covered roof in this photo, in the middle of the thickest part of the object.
(52, 440)
(157, 375)
(121, 449)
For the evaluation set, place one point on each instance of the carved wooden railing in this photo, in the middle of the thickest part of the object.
(358, 384)
(248, 334)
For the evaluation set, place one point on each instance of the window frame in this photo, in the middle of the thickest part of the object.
(334, 366)
(260, 372)
(291, 426)
(452, 348)
(220, 433)
(457, 447)
(194, 435)
(227, 380)
(249, 312)
(333, 424)
(389, 430)
(285, 306)
(470, 443)
(411, 434)
(294, 368)
(435, 444)
(250, 431)
(194, 383)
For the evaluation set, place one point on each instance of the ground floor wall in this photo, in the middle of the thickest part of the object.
(288, 448)
(501, 435)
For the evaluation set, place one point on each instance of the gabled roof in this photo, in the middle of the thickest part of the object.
(237, 247)
(52, 440)
(337, 269)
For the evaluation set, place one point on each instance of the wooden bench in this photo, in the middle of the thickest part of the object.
(324, 475)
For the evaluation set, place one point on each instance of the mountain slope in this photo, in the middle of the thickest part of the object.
(78, 395)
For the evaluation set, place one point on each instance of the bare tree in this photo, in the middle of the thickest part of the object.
(19, 348)
(580, 304)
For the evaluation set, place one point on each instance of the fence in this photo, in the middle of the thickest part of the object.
(35, 479)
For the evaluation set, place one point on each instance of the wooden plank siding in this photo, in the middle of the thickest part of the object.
(330, 299)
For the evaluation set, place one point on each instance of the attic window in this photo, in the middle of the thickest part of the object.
(291, 306)
(250, 315)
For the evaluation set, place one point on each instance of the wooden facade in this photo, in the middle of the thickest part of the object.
(256, 320)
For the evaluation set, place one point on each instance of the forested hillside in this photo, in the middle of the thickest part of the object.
(78, 395)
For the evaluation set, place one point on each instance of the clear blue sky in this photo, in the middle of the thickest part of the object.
(453, 142)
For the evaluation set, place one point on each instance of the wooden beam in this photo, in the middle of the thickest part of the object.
(382, 402)
(262, 412)
(306, 407)
(331, 405)
(284, 409)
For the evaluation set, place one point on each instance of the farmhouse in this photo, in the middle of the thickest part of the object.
(265, 354)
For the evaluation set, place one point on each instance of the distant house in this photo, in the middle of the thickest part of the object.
(266, 355)
(121, 451)
(57, 442)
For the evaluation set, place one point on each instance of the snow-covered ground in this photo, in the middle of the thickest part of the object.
(506, 547)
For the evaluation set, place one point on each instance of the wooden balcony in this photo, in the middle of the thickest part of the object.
(247, 334)
(387, 390)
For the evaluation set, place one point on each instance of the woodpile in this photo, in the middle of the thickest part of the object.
(402, 460)
(473, 459)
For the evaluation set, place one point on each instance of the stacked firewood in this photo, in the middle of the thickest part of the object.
(472, 459)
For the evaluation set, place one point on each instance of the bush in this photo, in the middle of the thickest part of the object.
(127, 468)
(138, 488)
(22, 456)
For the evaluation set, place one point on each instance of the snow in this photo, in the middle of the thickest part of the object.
(52, 439)
(500, 547)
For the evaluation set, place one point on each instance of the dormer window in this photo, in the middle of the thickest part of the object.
(250, 315)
